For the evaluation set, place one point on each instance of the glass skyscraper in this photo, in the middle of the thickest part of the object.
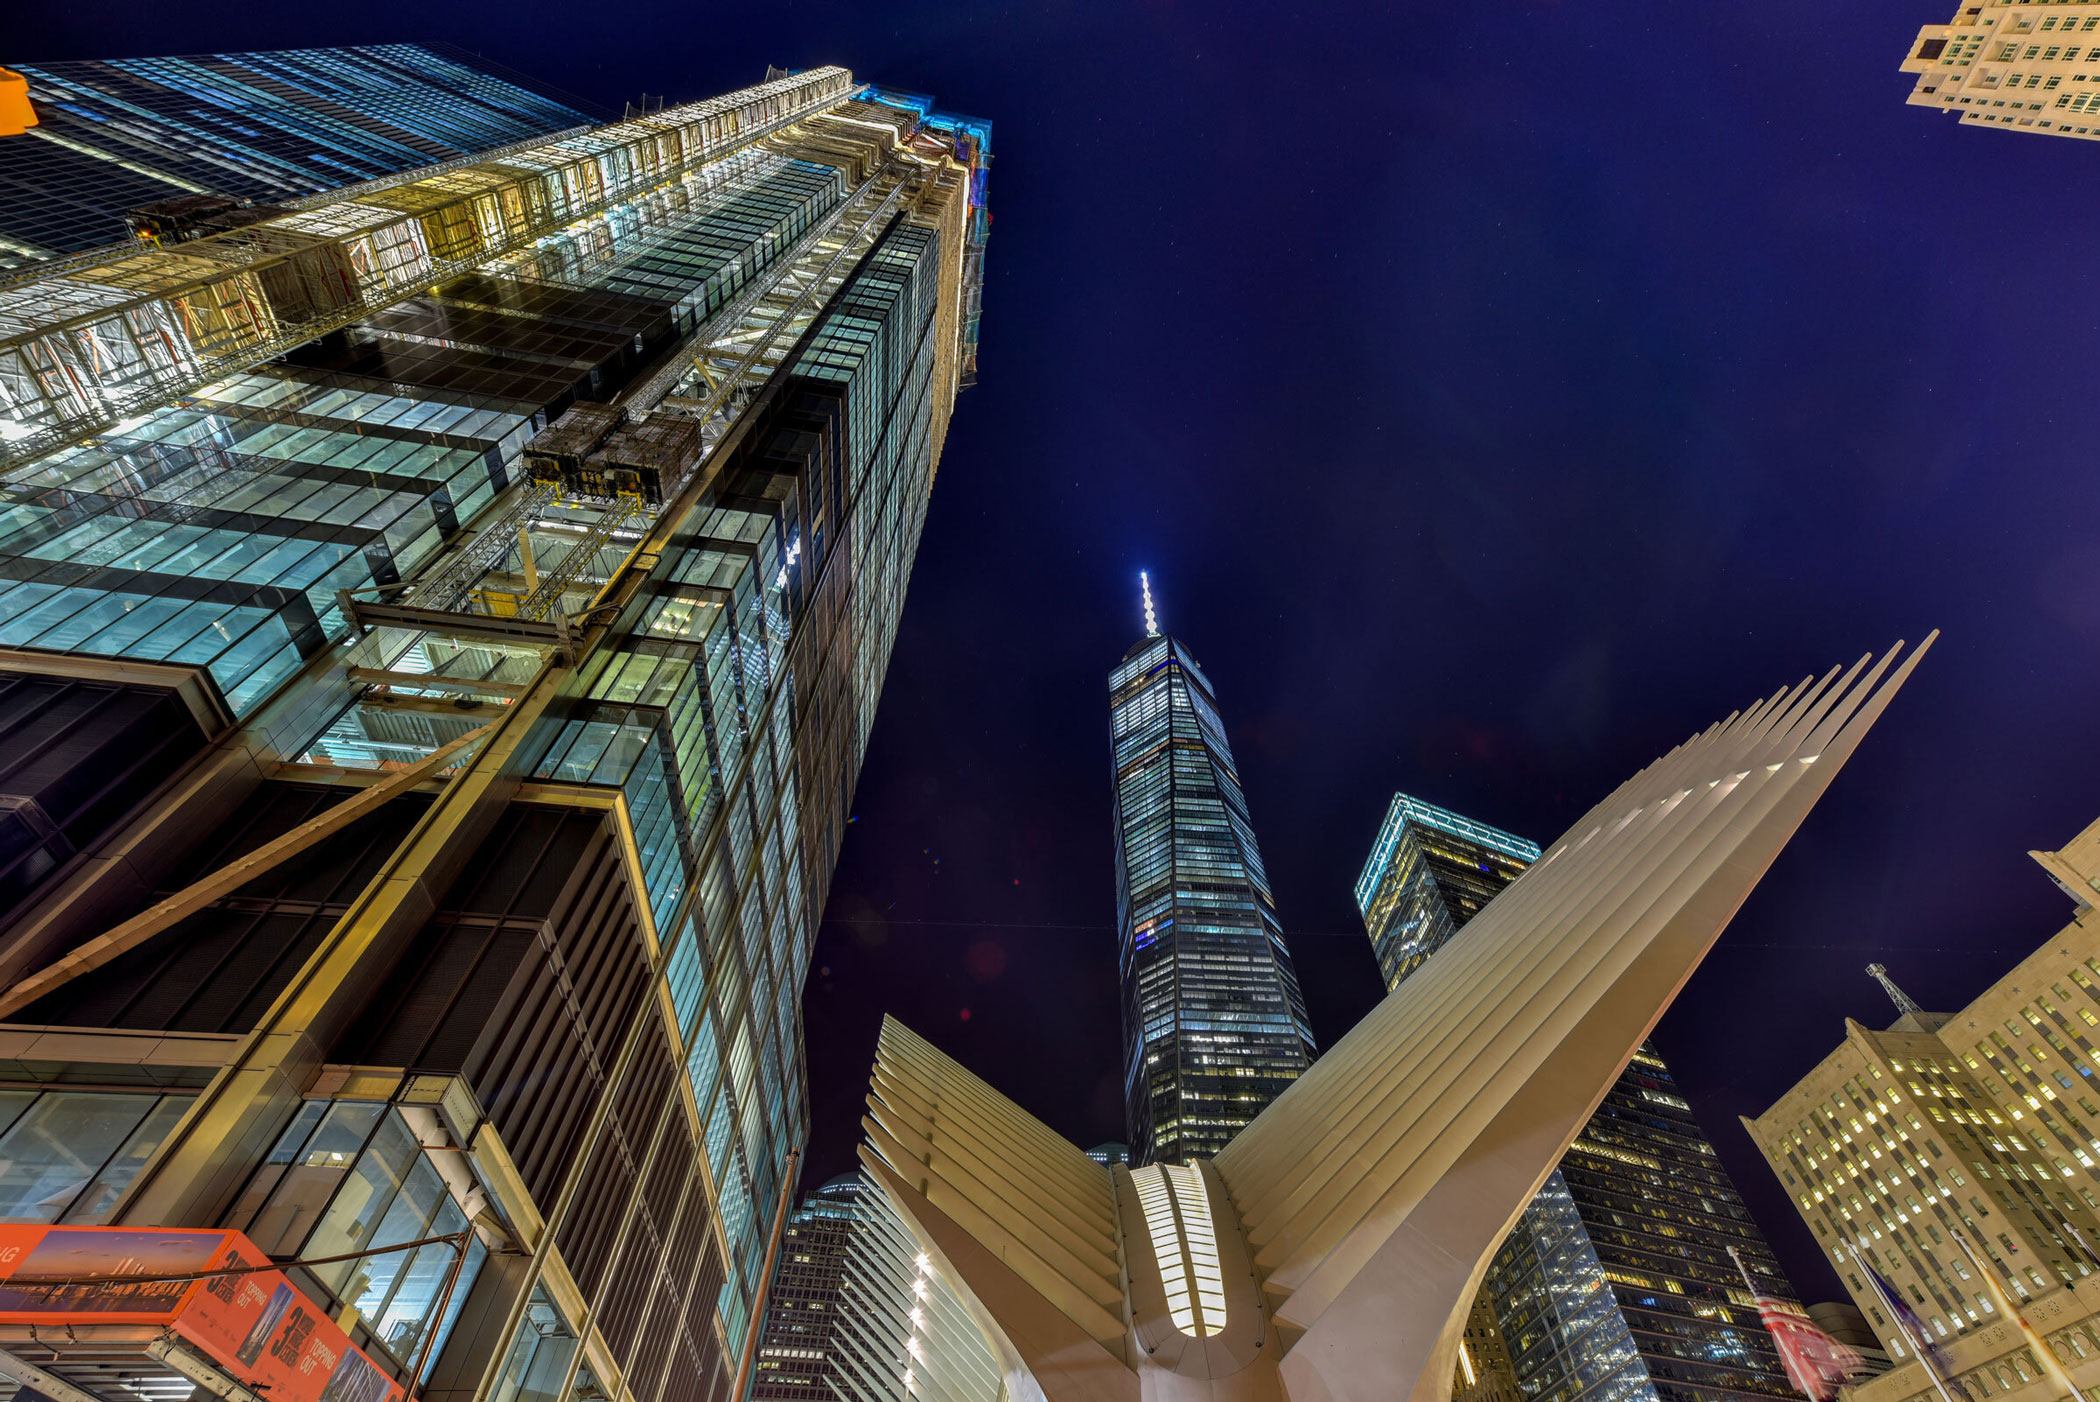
(118, 135)
(440, 626)
(1616, 1284)
(1214, 1026)
(1431, 871)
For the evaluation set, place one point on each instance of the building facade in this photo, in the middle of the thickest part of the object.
(1957, 1155)
(2026, 68)
(798, 1346)
(1486, 1373)
(860, 1312)
(1844, 1323)
(1214, 1026)
(439, 630)
(1616, 1282)
(114, 137)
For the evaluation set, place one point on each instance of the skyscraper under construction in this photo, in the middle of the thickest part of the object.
(1214, 1027)
(440, 624)
(108, 144)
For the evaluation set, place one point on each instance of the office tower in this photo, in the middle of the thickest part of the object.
(2028, 68)
(1957, 1155)
(859, 1311)
(1430, 871)
(798, 1346)
(1330, 1250)
(1214, 1026)
(439, 630)
(1616, 1281)
(194, 135)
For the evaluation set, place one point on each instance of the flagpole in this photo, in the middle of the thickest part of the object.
(1923, 1346)
(1743, 1271)
(2083, 1244)
(1785, 1358)
(2043, 1353)
(1817, 1389)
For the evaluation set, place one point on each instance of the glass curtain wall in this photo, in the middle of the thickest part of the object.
(1214, 1023)
(1430, 872)
(710, 696)
(116, 135)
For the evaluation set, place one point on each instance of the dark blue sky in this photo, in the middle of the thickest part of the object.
(1498, 394)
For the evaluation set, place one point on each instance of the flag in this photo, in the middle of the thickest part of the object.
(1907, 1318)
(1815, 1363)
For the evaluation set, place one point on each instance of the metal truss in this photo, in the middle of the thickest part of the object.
(736, 318)
(741, 349)
(448, 587)
(545, 599)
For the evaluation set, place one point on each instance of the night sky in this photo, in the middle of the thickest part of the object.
(1498, 394)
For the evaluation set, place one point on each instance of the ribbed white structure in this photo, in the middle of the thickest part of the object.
(1366, 1201)
(904, 1331)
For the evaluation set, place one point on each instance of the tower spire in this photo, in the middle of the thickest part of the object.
(1145, 588)
(1905, 1004)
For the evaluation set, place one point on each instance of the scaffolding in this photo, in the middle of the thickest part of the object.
(593, 451)
(87, 346)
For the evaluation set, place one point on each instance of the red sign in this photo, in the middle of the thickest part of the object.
(257, 1327)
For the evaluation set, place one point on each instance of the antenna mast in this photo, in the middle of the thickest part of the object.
(1904, 1002)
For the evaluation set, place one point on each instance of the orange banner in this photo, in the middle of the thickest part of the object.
(257, 1327)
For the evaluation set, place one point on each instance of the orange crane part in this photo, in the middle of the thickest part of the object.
(16, 115)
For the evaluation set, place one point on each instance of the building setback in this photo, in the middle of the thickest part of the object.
(431, 689)
(1214, 1026)
(1980, 1125)
(2026, 68)
(114, 136)
(1616, 1282)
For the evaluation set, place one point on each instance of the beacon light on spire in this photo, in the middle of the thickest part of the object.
(1352, 1221)
(1151, 622)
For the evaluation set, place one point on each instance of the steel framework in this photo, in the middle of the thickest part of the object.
(711, 377)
